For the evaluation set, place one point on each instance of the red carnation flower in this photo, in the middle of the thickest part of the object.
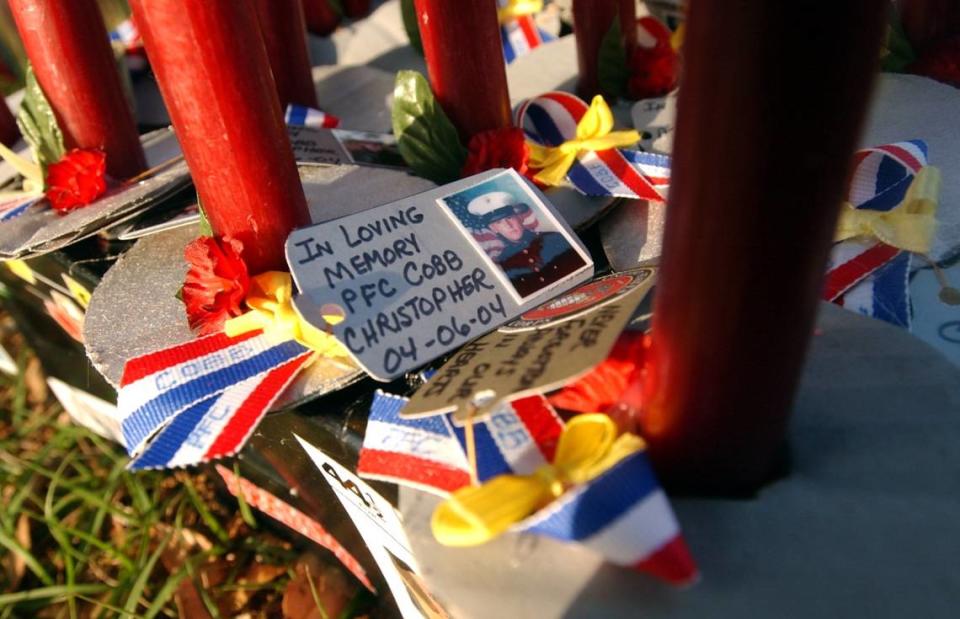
(497, 148)
(654, 65)
(77, 179)
(216, 284)
(608, 383)
(940, 61)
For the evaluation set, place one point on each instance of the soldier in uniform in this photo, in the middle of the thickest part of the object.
(530, 260)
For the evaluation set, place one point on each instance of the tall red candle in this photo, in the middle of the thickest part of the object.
(321, 17)
(592, 20)
(768, 119)
(285, 35)
(213, 72)
(928, 21)
(66, 42)
(9, 132)
(461, 44)
(356, 8)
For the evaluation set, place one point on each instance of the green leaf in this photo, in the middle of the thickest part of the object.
(38, 124)
(612, 72)
(427, 139)
(410, 23)
(897, 53)
(245, 512)
(205, 228)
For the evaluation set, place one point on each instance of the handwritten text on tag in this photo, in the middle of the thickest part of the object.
(417, 278)
(547, 348)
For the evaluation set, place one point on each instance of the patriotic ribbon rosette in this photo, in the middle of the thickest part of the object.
(889, 216)
(201, 400)
(518, 27)
(575, 142)
(581, 482)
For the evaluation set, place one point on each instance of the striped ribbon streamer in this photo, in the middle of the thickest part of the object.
(304, 116)
(551, 119)
(280, 510)
(201, 400)
(626, 516)
(420, 453)
(867, 276)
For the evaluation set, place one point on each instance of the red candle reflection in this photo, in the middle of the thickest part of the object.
(285, 35)
(321, 17)
(464, 54)
(761, 158)
(356, 8)
(9, 132)
(212, 68)
(67, 44)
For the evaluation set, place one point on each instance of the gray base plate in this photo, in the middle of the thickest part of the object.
(864, 526)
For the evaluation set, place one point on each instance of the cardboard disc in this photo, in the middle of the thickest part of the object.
(134, 310)
(40, 229)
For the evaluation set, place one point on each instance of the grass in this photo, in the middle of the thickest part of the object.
(81, 536)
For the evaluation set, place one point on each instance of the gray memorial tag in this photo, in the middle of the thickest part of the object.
(417, 278)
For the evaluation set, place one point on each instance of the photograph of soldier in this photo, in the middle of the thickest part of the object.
(532, 258)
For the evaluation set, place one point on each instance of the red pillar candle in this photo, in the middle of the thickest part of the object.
(768, 120)
(928, 21)
(66, 42)
(285, 35)
(592, 20)
(9, 132)
(321, 17)
(212, 68)
(461, 44)
(356, 8)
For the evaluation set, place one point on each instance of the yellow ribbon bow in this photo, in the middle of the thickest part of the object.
(518, 8)
(588, 447)
(594, 133)
(909, 226)
(271, 310)
(32, 173)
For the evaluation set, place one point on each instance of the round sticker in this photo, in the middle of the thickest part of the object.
(580, 300)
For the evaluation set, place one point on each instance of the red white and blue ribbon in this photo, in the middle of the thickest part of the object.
(884, 294)
(127, 34)
(15, 208)
(551, 119)
(421, 453)
(304, 116)
(520, 35)
(519, 438)
(654, 167)
(623, 514)
(868, 276)
(201, 400)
